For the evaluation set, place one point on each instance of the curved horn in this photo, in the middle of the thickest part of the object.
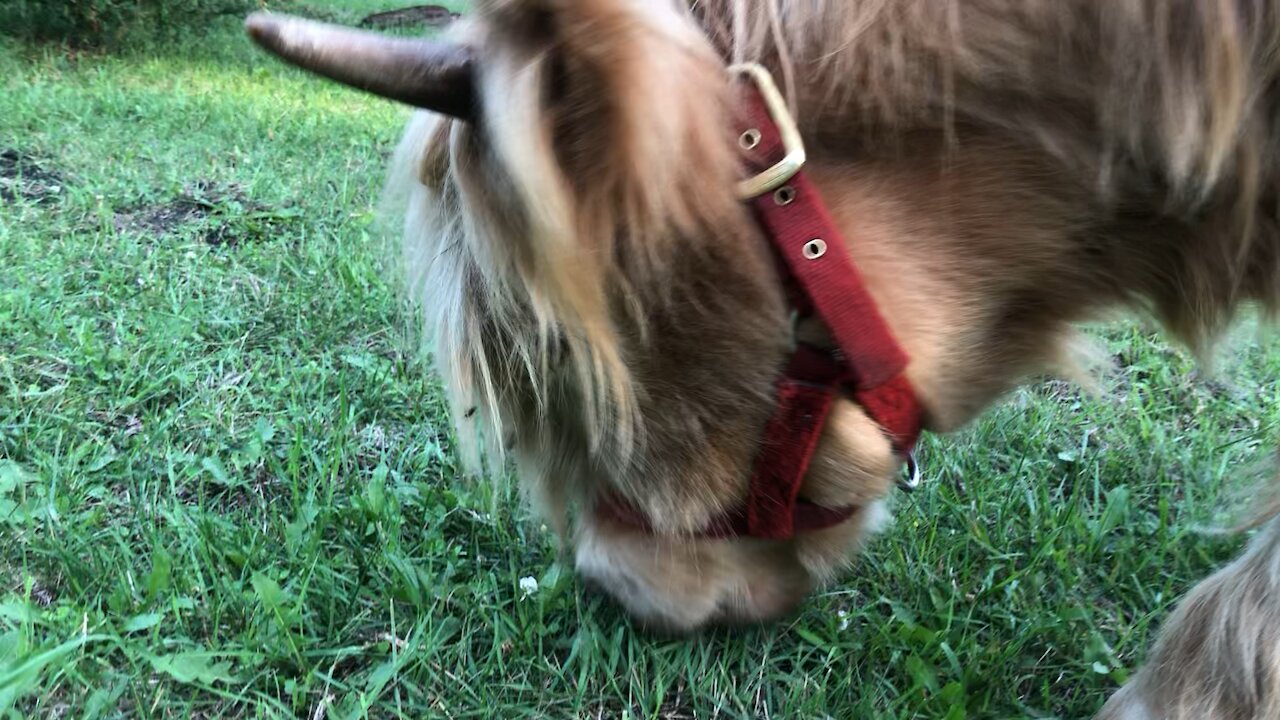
(432, 75)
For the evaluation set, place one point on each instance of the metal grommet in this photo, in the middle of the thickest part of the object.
(749, 139)
(814, 249)
(784, 195)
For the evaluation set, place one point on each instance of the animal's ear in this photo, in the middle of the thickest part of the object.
(433, 75)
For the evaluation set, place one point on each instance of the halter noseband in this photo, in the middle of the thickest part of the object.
(820, 277)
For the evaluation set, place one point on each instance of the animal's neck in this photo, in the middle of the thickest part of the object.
(979, 277)
(984, 256)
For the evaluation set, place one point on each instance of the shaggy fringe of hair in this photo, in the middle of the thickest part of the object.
(528, 237)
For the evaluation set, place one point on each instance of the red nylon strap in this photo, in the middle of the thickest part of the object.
(827, 282)
(867, 360)
(773, 509)
(834, 287)
(805, 393)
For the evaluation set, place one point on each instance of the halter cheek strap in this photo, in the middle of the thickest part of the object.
(821, 279)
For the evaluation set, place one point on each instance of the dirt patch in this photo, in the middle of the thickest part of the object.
(428, 15)
(161, 219)
(23, 176)
(321, 13)
(221, 214)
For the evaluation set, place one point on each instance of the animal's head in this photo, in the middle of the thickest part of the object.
(607, 314)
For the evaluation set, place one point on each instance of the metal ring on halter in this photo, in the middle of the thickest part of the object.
(911, 480)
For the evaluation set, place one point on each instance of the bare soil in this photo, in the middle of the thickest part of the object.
(428, 15)
(23, 176)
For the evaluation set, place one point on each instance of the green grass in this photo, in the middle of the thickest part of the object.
(226, 490)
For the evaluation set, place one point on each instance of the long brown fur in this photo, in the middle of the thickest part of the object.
(602, 306)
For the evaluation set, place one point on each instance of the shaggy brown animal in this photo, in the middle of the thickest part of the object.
(604, 308)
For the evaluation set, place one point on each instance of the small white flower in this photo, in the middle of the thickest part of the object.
(528, 585)
(844, 619)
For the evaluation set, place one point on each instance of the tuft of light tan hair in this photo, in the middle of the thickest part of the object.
(538, 242)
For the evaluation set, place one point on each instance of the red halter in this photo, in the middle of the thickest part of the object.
(821, 278)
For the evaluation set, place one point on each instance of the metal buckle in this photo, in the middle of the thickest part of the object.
(911, 480)
(786, 168)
